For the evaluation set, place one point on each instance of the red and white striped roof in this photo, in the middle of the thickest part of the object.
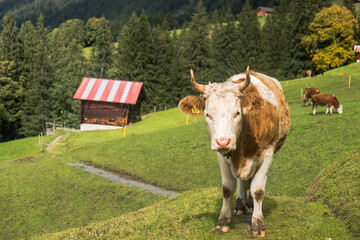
(105, 90)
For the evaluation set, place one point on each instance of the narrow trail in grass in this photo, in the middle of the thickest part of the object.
(52, 144)
(116, 178)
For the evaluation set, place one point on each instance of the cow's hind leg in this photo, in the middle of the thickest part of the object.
(258, 191)
(240, 204)
(250, 203)
(228, 182)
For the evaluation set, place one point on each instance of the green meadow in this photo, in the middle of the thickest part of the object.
(312, 191)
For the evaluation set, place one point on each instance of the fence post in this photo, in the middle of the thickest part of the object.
(67, 135)
(349, 81)
(42, 142)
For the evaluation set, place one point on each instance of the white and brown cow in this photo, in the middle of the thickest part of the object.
(326, 99)
(248, 120)
(308, 92)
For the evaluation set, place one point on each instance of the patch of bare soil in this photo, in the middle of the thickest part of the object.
(24, 160)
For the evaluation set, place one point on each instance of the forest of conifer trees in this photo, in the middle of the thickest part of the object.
(40, 69)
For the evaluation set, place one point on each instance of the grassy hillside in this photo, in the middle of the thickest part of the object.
(193, 215)
(163, 151)
(338, 186)
(41, 194)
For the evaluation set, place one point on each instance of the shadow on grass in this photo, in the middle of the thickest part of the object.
(269, 205)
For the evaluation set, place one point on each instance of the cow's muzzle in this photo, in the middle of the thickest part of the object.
(223, 145)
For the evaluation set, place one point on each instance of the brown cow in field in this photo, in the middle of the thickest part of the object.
(326, 99)
(248, 120)
(308, 92)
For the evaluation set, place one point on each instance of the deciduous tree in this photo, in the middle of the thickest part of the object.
(331, 39)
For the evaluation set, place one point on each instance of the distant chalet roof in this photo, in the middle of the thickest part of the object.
(105, 90)
(357, 48)
(265, 9)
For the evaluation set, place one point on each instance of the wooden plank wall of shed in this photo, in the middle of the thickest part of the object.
(105, 113)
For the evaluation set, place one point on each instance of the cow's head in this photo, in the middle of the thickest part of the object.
(339, 109)
(221, 104)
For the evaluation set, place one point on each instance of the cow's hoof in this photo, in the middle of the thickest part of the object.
(256, 233)
(223, 225)
(223, 229)
(239, 212)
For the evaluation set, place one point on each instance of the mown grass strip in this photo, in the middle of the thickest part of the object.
(338, 186)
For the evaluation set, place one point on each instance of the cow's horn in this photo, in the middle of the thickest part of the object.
(198, 87)
(246, 83)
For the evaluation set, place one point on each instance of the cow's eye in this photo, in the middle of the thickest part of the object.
(208, 116)
(237, 114)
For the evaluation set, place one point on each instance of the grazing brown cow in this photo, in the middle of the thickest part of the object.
(308, 73)
(308, 92)
(326, 99)
(248, 120)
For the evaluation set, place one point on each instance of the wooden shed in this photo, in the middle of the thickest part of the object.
(109, 102)
(264, 11)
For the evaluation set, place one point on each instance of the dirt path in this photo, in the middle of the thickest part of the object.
(116, 178)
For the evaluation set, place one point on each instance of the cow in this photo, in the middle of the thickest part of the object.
(248, 121)
(308, 73)
(308, 92)
(326, 99)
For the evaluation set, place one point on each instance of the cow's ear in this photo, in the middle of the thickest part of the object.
(192, 105)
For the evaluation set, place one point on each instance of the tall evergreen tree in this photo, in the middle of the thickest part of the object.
(197, 50)
(248, 47)
(225, 39)
(69, 66)
(276, 43)
(37, 106)
(134, 61)
(134, 49)
(12, 87)
(102, 51)
(163, 82)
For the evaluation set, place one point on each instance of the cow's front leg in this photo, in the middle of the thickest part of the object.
(314, 109)
(228, 185)
(327, 110)
(258, 191)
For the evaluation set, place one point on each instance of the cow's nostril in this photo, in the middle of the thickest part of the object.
(223, 142)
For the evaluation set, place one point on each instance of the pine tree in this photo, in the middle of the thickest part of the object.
(225, 40)
(162, 81)
(37, 106)
(276, 42)
(248, 47)
(12, 87)
(197, 50)
(134, 61)
(102, 51)
(69, 66)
